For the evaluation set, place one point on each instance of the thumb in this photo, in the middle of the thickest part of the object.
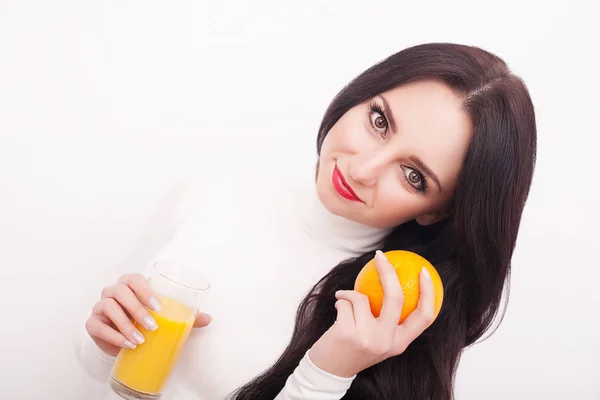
(202, 320)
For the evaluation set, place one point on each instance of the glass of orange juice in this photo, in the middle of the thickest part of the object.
(141, 373)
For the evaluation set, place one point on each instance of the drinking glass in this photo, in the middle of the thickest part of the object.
(141, 373)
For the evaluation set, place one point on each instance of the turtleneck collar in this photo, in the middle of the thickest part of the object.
(337, 231)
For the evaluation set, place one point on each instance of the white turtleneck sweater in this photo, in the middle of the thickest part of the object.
(261, 254)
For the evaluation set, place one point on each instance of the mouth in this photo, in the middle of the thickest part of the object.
(342, 187)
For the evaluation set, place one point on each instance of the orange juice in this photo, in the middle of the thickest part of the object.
(147, 367)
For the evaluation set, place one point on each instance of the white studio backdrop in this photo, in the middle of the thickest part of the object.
(105, 105)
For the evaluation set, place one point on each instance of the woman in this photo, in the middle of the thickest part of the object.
(431, 150)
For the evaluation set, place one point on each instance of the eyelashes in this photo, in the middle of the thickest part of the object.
(410, 174)
(374, 110)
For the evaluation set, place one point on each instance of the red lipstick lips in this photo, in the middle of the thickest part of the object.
(342, 187)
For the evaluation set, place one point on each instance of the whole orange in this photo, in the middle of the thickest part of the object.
(408, 266)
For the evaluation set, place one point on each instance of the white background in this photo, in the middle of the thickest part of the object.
(105, 104)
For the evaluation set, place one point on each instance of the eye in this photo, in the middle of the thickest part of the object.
(378, 120)
(414, 178)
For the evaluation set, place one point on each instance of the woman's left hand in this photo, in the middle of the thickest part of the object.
(358, 340)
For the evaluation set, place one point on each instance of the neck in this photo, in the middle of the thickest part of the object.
(339, 232)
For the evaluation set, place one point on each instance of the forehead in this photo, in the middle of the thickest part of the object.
(430, 107)
(431, 122)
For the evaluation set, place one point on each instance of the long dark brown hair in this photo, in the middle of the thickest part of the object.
(471, 249)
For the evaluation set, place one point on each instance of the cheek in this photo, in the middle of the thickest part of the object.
(397, 205)
(348, 135)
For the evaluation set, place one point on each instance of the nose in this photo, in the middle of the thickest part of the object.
(367, 167)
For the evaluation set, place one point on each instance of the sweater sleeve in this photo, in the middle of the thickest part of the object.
(309, 382)
(163, 224)
(94, 361)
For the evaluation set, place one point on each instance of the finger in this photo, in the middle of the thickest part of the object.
(345, 316)
(132, 305)
(393, 298)
(360, 307)
(141, 287)
(422, 316)
(111, 309)
(202, 320)
(99, 330)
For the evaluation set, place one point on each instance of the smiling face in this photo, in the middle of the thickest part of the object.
(395, 157)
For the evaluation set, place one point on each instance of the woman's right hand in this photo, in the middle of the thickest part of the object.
(111, 324)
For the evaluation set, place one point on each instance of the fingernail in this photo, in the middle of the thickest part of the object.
(130, 345)
(154, 304)
(150, 323)
(379, 254)
(426, 274)
(138, 337)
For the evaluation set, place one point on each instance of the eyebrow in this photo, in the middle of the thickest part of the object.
(426, 170)
(388, 113)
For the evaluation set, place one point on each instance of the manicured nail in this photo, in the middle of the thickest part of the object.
(154, 304)
(130, 345)
(138, 337)
(379, 254)
(150, 323)
(426, 274)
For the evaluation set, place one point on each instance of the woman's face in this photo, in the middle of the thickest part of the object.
(396, 157)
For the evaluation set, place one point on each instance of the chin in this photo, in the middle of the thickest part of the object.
(356, 212)
(341, 207)
(329, 197)
(331, 200)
